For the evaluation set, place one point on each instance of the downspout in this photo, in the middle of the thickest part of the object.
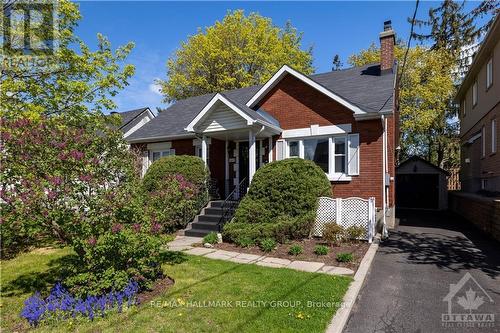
(384, 154)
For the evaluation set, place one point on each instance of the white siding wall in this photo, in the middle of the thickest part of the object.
(223, 118)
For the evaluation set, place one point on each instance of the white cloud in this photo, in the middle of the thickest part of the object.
(155, 88)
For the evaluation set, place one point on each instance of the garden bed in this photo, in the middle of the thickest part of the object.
(358, 250)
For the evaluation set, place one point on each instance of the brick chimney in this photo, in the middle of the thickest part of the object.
(387, 41)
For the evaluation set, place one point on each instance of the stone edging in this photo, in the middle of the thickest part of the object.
(342, 315)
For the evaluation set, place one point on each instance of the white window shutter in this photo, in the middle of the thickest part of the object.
(353, 156)
(280, 150)
(145, 161)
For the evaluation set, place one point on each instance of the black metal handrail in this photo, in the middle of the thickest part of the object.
(232, 201)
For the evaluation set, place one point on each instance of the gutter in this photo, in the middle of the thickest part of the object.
(384, 154)
(162, 138)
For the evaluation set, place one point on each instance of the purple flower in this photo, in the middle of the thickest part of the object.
(85, 178)
(77, 155)
(155, 228)
(116, 228)
(56, 180)
(92, 241)
(136, 227)
(52, 195)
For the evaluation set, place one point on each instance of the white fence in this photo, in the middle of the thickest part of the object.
(346, 212)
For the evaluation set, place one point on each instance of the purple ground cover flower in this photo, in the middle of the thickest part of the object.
(61, 305)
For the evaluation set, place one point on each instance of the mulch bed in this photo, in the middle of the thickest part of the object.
(159, 287)
(358, 249)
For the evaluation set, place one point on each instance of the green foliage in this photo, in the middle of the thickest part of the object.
(334, 233)
(210, 238)
(59, 180)
(191, 168)
(429, 127)
(113, 258)
(321, 250)
(282, 229)
(289, 187)
(74, 81)
(244, 241)
(267, 244)
(239, 51)
(295, 250)
(175, 203)
(354, 232)
(344, 257)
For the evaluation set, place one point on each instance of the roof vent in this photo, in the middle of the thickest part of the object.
(387, 25)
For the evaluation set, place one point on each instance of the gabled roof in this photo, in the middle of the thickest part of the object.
(128, 116)
(363, 87)
(420, 159)
(251, 116)
(286, 70)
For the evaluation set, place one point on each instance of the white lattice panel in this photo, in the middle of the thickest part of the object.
(346, 212)
(326, 213)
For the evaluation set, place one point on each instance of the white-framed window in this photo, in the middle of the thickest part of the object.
(474, 93)
(489, 73)
(493, 135)
(483, 142)
(337, 156)
(157, 154)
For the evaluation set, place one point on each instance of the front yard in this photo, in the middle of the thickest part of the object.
(208, 295)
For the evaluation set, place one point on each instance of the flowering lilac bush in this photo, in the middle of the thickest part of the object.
(62, 305)
(175, 202)
(75, 182)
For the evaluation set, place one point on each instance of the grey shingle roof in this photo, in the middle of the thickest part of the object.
(128, 116)
(362, 86)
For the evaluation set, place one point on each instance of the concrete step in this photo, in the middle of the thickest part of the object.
(213, 211)
(212, 226)
(208, 218)
(197, 232)
(216, 203)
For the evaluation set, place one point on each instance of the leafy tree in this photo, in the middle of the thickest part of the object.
(237, 52)
(74, 80)
(336, 63)
(428, 123)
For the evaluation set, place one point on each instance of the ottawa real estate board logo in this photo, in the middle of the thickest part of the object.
(466, 299)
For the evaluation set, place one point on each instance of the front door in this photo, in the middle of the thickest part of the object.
(243, 160)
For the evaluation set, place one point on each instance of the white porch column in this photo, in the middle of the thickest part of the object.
(270, 157)
(204, 149)
(226, 169)
(251, 155)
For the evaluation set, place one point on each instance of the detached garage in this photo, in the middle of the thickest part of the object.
(421, 185)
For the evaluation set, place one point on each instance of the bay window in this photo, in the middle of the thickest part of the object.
(337, 156)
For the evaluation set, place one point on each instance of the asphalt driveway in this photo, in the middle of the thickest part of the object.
(412, 272)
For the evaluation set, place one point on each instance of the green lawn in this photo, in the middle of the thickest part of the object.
(196, 280)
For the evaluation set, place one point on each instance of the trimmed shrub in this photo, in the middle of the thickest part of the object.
(289, 187)
(267, 244)
(210, 238)
(344, 257)
(244, 241)
(333, 233)
(281, 202)
(295, 250)
(321, 250)
(354, 232)
(191, 168)
(175, 188)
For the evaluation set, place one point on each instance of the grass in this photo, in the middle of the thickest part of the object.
(185, 306)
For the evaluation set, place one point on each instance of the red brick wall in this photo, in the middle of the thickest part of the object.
(296, 105)
(386, 52)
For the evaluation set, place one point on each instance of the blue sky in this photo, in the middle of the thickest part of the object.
(158, 28)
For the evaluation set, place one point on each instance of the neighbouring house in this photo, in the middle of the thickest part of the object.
(479, 98)
(346, 121)
(134, 119)
(421, 185)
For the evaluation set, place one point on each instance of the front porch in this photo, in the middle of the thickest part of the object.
(234, 138)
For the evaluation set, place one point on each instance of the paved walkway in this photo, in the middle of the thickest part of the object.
(412, 272)
(185, 243)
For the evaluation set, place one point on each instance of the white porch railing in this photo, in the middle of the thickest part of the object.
(346, 212)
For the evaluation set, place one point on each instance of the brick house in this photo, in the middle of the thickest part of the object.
(346, 121)
(479, 98)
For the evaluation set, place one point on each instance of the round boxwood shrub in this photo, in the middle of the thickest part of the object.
(191, 168)
(281, 202)
(289, 187)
